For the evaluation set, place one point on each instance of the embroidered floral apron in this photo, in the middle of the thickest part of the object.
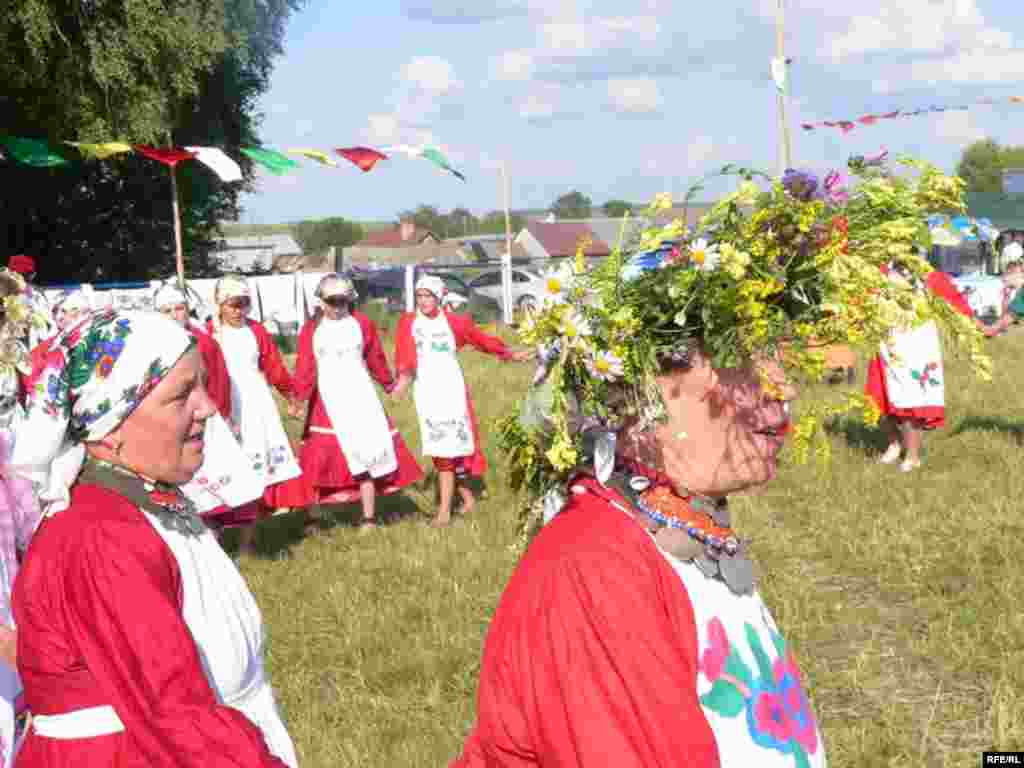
(226, 477)
(253, 408)
(351, 400)
(440, 391)
(913, 368)
(748, 681)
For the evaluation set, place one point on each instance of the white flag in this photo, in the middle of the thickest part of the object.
(218, 162)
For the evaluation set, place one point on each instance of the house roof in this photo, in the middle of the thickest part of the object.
(392, 238)
(560, 238)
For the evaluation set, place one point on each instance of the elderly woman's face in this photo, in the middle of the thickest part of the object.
(426, 302)
(725, 427)
(234, 311)
(177, 312)
(67, 317)
(163, 438)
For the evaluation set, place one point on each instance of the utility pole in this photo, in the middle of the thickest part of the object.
(781, 76)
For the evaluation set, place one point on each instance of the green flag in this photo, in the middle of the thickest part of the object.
(32, 152)
(441, 161)
(274, 162)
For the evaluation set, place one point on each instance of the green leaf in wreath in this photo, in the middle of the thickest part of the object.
(800, 756)
(763, 664)
(724, 699)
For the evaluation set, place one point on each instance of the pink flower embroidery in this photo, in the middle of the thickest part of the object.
(712, 661)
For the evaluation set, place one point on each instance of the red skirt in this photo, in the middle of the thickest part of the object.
(927, 417)
(330, 480)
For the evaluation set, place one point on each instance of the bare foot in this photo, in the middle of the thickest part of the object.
(439, 523)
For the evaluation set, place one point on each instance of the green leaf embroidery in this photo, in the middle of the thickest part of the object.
(735, 666)
(800, 756)
(724, 699)
(763, 664)
(779, 643)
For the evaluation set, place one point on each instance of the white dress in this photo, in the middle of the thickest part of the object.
(439, 390)
(254, 410)
(351, 400)
(749, 685)
(227, 627)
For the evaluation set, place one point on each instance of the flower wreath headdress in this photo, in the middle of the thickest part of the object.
(786, 271)
(20, 315)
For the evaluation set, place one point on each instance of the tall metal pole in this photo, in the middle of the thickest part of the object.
(506, 262)
(780, 53)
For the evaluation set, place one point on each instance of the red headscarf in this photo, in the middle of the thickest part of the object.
(22, 264)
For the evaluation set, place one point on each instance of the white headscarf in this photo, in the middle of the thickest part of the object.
(231, 287)
(432, 283)
(334, 284)
(95, 374)
(1013, 252)
(71, 301)
(168, 295)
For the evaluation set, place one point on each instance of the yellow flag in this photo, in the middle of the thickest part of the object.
(101, 151)
(314, 154)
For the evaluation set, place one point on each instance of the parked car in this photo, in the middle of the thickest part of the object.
(527, 288)
(389, 285)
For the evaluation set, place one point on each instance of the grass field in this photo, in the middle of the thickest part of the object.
(900, 593)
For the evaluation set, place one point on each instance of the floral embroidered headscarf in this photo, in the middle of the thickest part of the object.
(334, 284)
(84, 383)
(231, 287)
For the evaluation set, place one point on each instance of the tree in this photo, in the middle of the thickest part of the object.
(616, 209)
(317, 236)
(461, 221)
(142, 72)
(983, 162)
(493, 223)
(573, 205)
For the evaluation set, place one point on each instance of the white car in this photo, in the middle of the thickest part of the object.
(527, 287)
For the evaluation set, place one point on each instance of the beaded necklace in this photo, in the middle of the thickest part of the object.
(717, 550)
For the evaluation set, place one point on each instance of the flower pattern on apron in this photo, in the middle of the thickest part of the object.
(440, 390)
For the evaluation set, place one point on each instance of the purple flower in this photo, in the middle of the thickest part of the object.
(800, 184)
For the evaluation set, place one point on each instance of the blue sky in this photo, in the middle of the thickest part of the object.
(619, 100)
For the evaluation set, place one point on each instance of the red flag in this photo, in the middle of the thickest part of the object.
(867, 119)
(169, 157)
(363, 157)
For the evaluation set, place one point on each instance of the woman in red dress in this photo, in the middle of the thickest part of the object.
(351, 450)
(426, 344)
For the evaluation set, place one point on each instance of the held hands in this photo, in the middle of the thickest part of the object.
(8, 646)
(400, 386)
(295, 409)
(522, 355)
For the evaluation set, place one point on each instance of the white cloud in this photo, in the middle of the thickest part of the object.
(634, 95)
(431, 74)
(537, 107)
(582, 36)
(958, 127)
(383, 129)
(512, 65)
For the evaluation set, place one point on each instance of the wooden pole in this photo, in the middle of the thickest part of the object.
(780, 52)
(180, 257)
(506, 266)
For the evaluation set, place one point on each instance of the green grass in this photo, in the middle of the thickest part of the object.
(900, 593)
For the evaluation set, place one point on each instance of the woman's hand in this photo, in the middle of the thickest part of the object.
(9, 646)
(400, 386)
(295, 409)
(522, 355)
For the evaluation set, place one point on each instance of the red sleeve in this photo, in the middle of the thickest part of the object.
(405, 346)
(218, 382)
(124, 616)
(468, 332)
(373, 353)
(941, 285)
(270, 360)
(596, 668)
(304, 380)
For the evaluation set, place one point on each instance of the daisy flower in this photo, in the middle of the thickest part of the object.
(575, 328)
(557, 284)
(704, 255)
(605, 366)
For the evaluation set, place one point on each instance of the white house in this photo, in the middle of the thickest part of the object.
(253, 253)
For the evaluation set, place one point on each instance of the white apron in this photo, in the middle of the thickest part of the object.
(913, 368)
(10, 684)
(748, 682)
(254, 410)
(226, 477)
(440, 391)
(351, 400)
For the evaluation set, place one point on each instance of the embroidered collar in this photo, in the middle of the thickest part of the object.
(165, 502)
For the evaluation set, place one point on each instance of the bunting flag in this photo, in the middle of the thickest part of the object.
(32, 152)
(441, 162)
(274, 162)
(216, 160)
(169, 157)
(100, 151)
(363, 158)
(871, 119)
(315, 154)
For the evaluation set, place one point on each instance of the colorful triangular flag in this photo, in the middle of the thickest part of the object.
(32, 152)
(170, 157)
(274, 162)
(314, 154)
(100, 151)
(363, 158)
(218, 162)
(435, 156)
